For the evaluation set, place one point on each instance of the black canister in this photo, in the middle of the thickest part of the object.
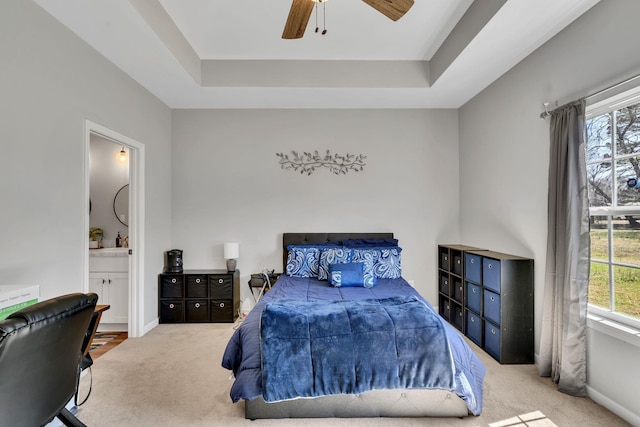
(173, 261)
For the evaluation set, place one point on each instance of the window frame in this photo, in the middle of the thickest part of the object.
(608, 106)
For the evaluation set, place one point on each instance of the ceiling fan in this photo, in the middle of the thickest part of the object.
(300, 13)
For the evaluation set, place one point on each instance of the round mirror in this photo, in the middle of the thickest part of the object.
(121, 205)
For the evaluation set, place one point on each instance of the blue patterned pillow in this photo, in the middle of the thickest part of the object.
(303, 261)
(337, 255)
(383, 262)
(350, 274)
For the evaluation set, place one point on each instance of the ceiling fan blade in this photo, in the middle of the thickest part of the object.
(392, 9)
(299, 15)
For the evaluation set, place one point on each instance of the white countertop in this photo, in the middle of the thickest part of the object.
(109, 252)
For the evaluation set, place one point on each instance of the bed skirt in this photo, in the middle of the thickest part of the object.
(377, 403)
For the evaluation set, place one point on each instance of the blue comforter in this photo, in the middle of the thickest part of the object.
(312, 349)
(243, 352)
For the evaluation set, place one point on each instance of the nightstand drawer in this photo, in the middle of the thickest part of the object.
(171, 311)
(222, 311)
(491, 306)
(473, 267)
(197, 286)
(171, 286)
(491, 274)
(197, 311)
(221, 286)
(474, 297)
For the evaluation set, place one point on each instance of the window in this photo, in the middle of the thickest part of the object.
(613, 174)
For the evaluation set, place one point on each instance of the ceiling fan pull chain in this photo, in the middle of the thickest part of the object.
(316, 7)
(324, 18)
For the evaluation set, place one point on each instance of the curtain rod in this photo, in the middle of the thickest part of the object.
(613, 86)
(546, 113)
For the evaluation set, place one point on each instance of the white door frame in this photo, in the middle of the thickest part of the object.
(136, 220)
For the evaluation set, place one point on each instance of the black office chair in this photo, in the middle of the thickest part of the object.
(40, 355)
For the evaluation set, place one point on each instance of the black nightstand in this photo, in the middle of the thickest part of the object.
(199, 296)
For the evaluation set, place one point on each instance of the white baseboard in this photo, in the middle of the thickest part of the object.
(150, 326)
(616, 408)
(622, 412)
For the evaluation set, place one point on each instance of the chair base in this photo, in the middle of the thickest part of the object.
(69, 420)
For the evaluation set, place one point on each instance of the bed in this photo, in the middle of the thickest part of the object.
(427, 385)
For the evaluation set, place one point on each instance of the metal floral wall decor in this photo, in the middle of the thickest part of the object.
(309, 162)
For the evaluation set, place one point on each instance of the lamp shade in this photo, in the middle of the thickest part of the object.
(231, 250)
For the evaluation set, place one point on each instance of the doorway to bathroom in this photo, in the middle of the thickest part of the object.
(114, 226)
(109, 230)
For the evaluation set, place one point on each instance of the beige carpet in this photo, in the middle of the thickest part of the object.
(173, 377)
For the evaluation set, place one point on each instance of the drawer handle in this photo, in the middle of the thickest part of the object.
(473, 319)
(197, 305)
(197, 280)
(493, 299)
(460, 288)
(446, 282)
(472, 260)
(473, 290)
(220, 281)
(458, 262)
(173, 280)
(447, 306)
(490, 266)
(446, 258)
(221, 305)
(460, 314)
(171, 306)
(493, 331)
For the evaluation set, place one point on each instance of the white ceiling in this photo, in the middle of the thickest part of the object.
(229, 54)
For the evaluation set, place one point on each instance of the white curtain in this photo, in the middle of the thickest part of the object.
(564, 320)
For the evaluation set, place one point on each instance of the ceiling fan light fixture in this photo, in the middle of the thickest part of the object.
(300, 13)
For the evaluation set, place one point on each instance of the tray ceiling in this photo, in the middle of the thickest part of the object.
(230, 54)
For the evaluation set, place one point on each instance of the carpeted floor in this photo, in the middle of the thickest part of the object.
(532, 419)
(173, 377)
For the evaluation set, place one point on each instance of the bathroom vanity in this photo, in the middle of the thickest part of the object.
(109, 278)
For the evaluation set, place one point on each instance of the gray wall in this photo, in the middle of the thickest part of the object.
(229, 186)
(504, 149)
(50, 82)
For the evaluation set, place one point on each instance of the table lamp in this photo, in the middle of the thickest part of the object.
(231, 253)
